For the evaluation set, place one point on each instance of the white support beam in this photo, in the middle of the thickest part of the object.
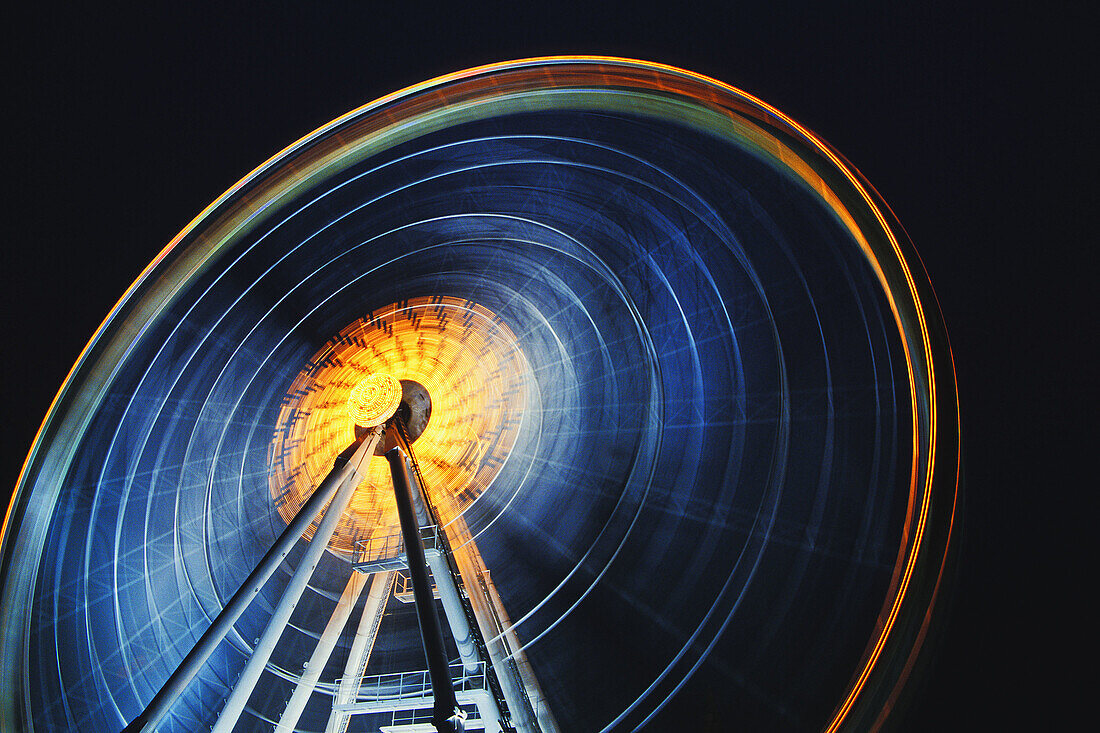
(149, 718)
(528, 707)
(246, 683)
(464, 639)
(359, 655)
(316, 664)
(453, 609)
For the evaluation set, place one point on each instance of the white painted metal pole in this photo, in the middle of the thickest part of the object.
(445, 582)
(158, 707)
(488, 711)
(464, 638)
(316, 664)
(234, 704)
(361, 647)
(453, 610)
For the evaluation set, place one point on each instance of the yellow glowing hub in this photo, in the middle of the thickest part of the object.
(374, 400)
(471, 365)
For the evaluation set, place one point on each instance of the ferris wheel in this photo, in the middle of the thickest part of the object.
(564, 394)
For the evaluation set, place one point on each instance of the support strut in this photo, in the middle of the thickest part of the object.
(288, 601)
(447, 716)
(307, 683)
(348, 462)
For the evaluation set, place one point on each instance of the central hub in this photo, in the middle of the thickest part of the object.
(448, 369)
(374, 400)
(414, 412)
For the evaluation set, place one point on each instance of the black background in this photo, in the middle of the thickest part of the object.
(969, 119)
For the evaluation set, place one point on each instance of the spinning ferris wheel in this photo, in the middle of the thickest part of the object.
(557, 395)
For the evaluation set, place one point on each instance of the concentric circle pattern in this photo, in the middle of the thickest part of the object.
(374, 400)
(691, 400)
(475, 374)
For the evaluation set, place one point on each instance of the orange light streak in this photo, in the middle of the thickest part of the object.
(475, 373)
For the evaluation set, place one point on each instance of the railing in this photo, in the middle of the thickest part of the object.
(388, 552)
(378, 548)
(402, 587)
(421, 720)
(417, 684)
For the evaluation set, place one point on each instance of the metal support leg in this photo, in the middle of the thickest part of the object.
(521, 689)
(454, 611)
(177, 682)
(312, 673)
(444, 581)
(361, 646)
(453, 606)
(250, 675)
(463, 636)
(446, 715)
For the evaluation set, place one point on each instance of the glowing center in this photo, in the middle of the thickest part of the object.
(374, 400)
(466, 359)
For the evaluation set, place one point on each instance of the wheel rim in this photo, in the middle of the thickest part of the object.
(681, 265)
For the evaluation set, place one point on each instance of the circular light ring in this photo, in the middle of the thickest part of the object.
(110, 532)
(374, 400)
(470, 364)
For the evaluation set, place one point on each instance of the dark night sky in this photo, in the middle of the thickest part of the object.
(967, 121)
